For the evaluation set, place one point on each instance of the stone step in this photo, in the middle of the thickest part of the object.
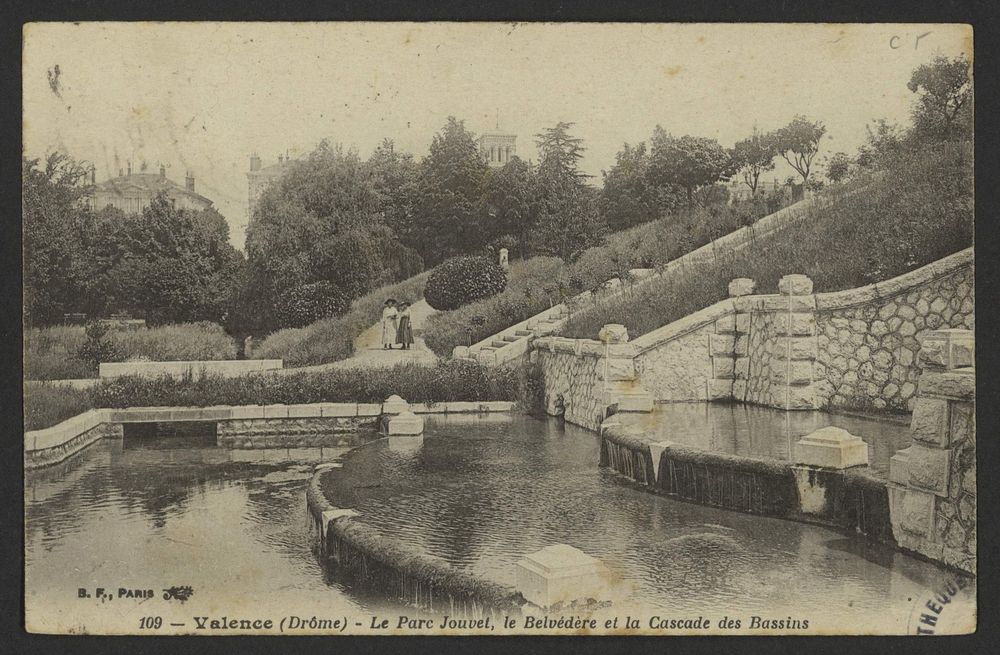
(487, 349)
(511, 338)
(498, 343)
(523, 333)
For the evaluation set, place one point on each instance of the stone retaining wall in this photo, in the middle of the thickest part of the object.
(792, 350)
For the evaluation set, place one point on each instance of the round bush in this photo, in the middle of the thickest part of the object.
(462, 280)
(310, 302)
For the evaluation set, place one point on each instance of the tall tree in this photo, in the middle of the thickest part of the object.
(510, 202)
(798, 143)
(559, 153)
(690, 162)
(944, 98)
(752, 157)
(451, 184)
(628, 198)
(838, 167)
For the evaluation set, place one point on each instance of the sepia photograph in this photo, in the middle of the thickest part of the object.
(483, 328)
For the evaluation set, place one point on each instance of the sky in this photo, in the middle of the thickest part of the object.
(201, 97)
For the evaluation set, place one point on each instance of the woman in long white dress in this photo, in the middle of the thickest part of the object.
(389, 326)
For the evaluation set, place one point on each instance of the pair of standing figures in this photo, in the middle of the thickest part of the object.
(396, 327)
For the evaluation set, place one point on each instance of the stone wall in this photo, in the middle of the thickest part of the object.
(932, 491)
(868, 338)
(586, 379)
(226, 368)
(792, 350)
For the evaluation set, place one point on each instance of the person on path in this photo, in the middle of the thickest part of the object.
(389, 316)
(404, 333)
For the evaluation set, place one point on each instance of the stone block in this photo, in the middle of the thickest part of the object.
(719, 389)
(616, 370)
(792, 372)
(721, 344)
(795, 324)
(314, 410)
(795, 348)
(742, 323)
(613, 333)
(929, 423)
(369, 409)
(741, 347)
(741, 286)
(275, 411)
(913, 511)
(723, 368)
(831, 447)
(741, 369)
(395, 405)
(339, 409)
(632, 401)
(404, 424)
(726, 324)
(899, 470)
(959, 384)
(784, 303)
(739, 389)
(795, 285)
(460, 352)
(406, 444)
(947, 349)
(930, 468)
(561, 574)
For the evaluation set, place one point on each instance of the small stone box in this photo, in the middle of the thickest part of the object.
(561, 574)
(405, 424)
(831, 447)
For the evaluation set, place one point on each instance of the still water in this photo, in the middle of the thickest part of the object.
(153, 514)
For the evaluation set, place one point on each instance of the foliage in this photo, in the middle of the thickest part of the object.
(327, 220)
(689, 162)
(884, 141)
(798, 143)
(332, 339)
(451, 183)
(310, 302)
(559, 153)
(54, 353)
(838, 167)
(628, 198)
(509, 205)
(919, 212)
(461, 280)
(752, 157)
(47, 404)
(96, 348)
(944, 98)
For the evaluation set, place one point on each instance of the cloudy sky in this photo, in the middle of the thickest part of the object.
(203, 96)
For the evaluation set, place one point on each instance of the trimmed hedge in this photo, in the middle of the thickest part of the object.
(461, 280)
(447, 381)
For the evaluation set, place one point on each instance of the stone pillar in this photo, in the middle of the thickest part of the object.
(504, 264)
(728, 338)
(616, 369)
(932, 489)
(792, 385)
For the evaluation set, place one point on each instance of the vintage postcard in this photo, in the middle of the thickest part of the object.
(503, 329)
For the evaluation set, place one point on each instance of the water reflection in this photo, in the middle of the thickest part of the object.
(763, 432)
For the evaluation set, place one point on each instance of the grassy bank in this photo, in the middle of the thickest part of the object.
(46, 405)
(539, 283)
(918, 212)
(332, 339)
(53, 353)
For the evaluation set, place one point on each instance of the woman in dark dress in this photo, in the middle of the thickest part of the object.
(404, 333)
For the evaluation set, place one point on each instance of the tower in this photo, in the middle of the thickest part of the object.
(497, 148)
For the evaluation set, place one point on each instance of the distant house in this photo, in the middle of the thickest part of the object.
(133, 192)
(261, 178)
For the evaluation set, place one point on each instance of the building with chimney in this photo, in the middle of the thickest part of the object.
(259, 179)
(133, 192)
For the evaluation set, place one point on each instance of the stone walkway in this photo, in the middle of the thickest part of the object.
(369, 353)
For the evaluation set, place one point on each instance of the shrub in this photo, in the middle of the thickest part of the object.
(97, 349)
(461, 280)
(448, 381)
(65, 352)
(310, 302)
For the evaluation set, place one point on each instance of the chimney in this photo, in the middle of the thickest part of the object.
(93, 175)
(189, 182)
(254, 162)
(163, 172)
(121, 173)
(129, 166)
